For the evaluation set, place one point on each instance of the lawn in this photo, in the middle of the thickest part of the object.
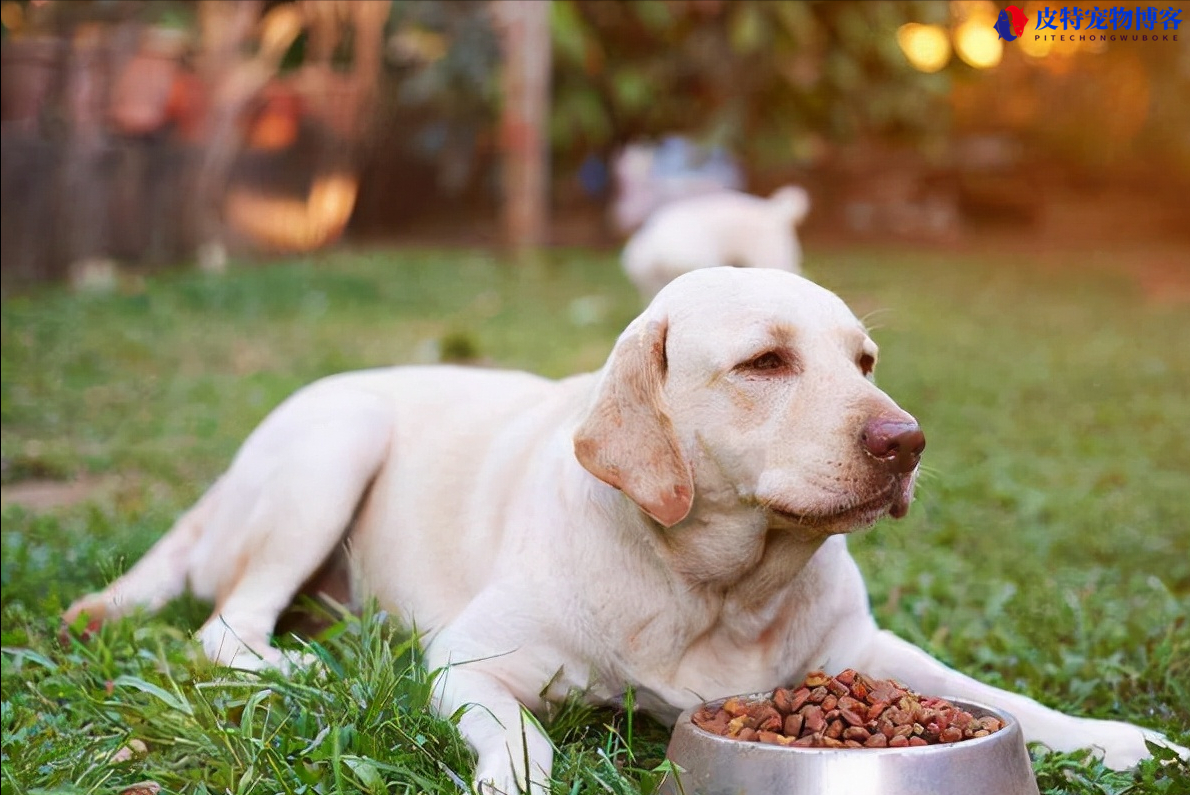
(1048, 550)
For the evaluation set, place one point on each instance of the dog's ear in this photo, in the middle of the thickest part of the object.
(627, 439)
(792, 202)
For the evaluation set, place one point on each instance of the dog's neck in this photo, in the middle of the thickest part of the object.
(733, 550)
(749, 576)
(733, 584)
(724, 550)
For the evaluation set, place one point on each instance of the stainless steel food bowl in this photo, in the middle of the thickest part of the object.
(712, 765)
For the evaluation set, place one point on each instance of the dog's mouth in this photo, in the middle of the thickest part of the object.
(893, 500)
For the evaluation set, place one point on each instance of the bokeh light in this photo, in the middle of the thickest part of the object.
(927, 47)
(12, 15)
(1035, 47)
(978, 44)
(979, 10)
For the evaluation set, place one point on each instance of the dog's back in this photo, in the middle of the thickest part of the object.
(726, 228)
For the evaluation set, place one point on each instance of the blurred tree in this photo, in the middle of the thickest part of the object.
(436, 113)
(773, 81)
(524, 28)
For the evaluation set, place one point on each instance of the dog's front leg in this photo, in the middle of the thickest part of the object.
(506, 740)
(1121, 744)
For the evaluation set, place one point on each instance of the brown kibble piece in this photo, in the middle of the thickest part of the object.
(853, 718)
(142, 788)
(766, 716)
(991, 723)
(951, 734)
(883, 690)
(716, 725)
(816, 679)
(773, 738)
(847, 702)
(735, 707)
(837, 688)
(815, 720)
(856, 733)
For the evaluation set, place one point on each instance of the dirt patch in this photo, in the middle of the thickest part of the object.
(1165, 281)
(45, 495)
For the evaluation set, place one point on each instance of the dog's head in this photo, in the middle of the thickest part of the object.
(750, 388)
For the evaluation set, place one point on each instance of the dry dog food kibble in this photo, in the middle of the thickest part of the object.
(849, 710)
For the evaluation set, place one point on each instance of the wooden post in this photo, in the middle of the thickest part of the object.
(231, 82)
(524, 28)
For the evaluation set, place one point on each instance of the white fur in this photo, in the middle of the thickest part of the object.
(611, 530)
(722, 228)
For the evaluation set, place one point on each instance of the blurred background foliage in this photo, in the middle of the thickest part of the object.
(785, 83)
(896, 103)
(771, 81)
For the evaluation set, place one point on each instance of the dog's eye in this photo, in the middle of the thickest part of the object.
(768, 363)
(867, 363)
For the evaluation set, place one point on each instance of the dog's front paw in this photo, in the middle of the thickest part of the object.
(504, 785)
(490, 786)
(94, 606)
(290, 661)
(1160, 739)
(1123, 745)
(504, 781)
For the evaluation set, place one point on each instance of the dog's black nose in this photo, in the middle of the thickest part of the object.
(895, 443)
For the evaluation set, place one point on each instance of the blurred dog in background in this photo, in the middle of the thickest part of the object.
(723, 228)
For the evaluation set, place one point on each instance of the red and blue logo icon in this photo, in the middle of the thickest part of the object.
(1011, 23)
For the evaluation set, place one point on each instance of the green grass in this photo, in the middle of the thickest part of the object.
(1048, 550)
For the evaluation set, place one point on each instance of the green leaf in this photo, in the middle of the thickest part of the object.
(366, 772)
(1160, 751)
(173, 701)
(748, 30)
(248, 717)
(28, 654)
(653, 14)
(569, 33)
(632, 90)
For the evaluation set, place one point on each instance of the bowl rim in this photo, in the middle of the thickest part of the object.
(1010, 723)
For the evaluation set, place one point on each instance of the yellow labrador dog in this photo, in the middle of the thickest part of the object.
(675, 523)
(722, 228)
